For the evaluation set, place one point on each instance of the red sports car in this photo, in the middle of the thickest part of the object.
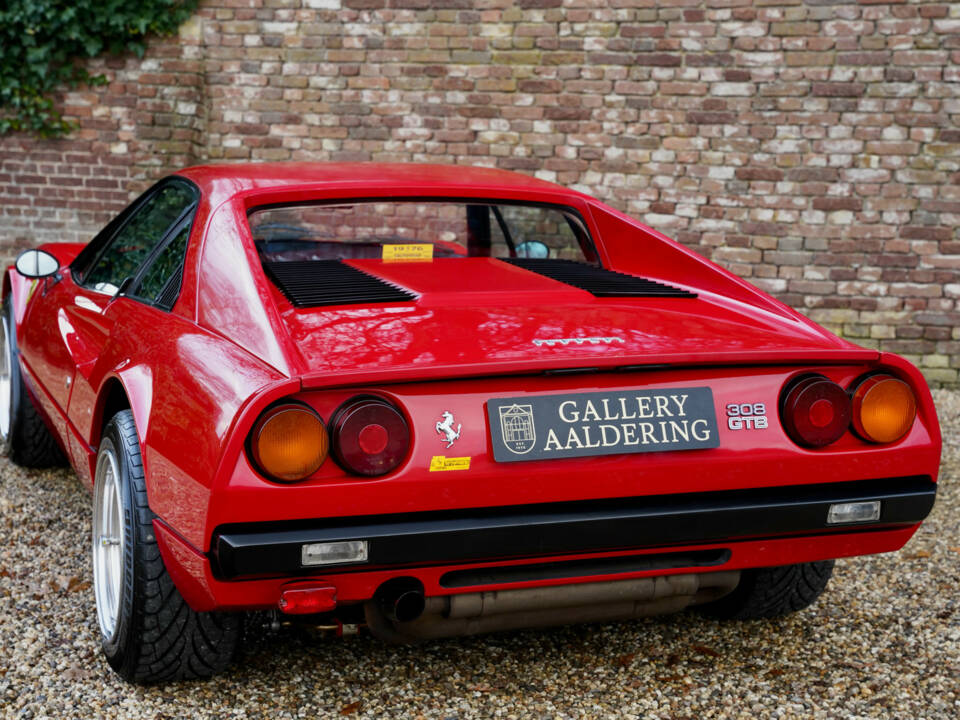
(439, 401)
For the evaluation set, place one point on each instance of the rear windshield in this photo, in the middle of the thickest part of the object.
(362, 229)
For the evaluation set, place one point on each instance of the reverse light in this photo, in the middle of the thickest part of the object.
(884, 409)
(289, 442)
(333, 553)
(369, 436)
(855, 512)
(815, 411)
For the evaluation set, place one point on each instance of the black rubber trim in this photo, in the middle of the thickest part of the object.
(273, 549)
(313, 283)
(598, 281)
(581, 568)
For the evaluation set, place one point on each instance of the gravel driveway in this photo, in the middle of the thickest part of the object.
(884, 641)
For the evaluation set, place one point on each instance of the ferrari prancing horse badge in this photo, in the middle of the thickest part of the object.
(445, 429)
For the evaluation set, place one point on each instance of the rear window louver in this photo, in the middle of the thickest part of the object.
(312, 283)
(598, 281)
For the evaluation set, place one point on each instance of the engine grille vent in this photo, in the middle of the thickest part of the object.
(598, 281)
(312, 283)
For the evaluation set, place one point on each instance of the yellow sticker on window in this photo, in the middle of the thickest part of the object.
(414, 252)
(439, 462)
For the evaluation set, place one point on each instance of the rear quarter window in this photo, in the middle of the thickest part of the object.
(125, 254)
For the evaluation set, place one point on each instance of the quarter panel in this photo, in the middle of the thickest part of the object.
(185, 387)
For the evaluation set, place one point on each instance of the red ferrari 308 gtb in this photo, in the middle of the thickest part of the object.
(439, 401)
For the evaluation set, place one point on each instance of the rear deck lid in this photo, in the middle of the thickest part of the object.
(471, 316)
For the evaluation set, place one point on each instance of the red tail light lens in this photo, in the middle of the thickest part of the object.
(883, 409)
(370, 436)
(815, 412)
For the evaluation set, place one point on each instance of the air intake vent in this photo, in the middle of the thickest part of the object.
(168, 296)
(312, 283)
(598, 281)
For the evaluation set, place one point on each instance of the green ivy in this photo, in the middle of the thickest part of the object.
(43, 44)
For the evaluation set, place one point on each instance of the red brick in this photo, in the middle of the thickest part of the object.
(759, 173)
(658, 59)
(837, 203)
(919, 232)
(838, 89)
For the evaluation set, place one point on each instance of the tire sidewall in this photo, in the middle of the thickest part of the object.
(120, 646)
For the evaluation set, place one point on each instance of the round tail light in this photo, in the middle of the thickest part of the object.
(883, 409)
(289, 442)
(370, 436)
(815, 412)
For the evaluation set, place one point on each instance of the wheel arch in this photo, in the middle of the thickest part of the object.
(128, 388)
(111, 399)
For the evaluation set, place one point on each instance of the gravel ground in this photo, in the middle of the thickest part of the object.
(883, 642)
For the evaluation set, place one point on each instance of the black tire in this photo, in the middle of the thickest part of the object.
(156, 637)
(773, 592)
(28, 441)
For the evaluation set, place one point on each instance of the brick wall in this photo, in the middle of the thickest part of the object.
(810, 146)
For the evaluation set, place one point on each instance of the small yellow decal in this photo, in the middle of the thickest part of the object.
(439, 462)
(415, 252)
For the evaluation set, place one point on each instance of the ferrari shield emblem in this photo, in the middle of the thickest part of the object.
(516, 428)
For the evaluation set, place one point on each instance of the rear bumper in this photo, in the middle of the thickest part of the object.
(264, 550)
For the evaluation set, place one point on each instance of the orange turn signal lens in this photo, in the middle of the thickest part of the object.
(289, 442)
(883, 409)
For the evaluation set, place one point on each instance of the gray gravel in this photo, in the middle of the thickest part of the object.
(883, 642)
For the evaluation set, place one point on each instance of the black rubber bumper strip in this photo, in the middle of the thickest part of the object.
(274, 549)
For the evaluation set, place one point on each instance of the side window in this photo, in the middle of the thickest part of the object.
(140, 236)
(160, 283)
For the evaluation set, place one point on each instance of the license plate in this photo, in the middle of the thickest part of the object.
(543, 427)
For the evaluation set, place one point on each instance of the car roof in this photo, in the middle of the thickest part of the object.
(221, 181)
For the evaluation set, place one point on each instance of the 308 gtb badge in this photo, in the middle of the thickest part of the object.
(747, 416)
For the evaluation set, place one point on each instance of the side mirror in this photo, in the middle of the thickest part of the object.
(37, 264)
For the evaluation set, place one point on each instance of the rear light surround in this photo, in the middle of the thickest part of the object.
(884, 408)
(815, 411)
(289, 442)
(369, 435)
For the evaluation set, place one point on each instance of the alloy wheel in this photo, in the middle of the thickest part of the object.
(108, 541)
